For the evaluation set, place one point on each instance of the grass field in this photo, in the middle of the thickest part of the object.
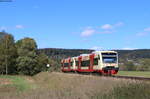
(134, 73)
(15, 84)
(71, 86)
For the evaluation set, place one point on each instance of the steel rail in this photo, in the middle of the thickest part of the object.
(132, 77)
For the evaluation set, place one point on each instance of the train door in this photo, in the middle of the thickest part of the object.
(91, 62)
(79, 63)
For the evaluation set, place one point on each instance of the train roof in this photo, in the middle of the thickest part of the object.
(94, 52)
(84, 54)
(104, 52)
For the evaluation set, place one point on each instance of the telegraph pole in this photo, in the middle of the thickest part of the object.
(6, 57)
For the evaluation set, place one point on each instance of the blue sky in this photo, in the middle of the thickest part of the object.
(85, 24)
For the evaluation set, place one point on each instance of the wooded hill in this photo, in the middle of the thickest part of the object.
(58, 53)
(123, 54)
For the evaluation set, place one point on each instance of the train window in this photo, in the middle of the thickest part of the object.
(85, 63)
(109, 59)
(95, 61)
(66, 64)
(77, 63)
(71, 63)
(109, 54)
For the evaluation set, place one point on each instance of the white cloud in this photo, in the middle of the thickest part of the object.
(19, 26)
(118, 24)
(106, 26)
(88, 32)
(109, 26)
(106, 32)
(128, 48)
(104, 29)
(146, 31)
(142, 33)
(96, 48)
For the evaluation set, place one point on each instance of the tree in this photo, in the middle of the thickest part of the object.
(8, 54)
(144, 64)
(129, 66)
(42, 61)
(26, 61)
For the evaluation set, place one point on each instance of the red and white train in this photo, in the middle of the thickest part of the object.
(102, 62)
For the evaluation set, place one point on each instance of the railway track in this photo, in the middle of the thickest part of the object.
(132, 77)
(114, 76)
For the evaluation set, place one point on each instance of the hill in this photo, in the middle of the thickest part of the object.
(58, 53)
(134, 54)
(123, 54)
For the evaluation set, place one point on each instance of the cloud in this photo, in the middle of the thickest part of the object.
(113, 26)
(106, 26)
(106, 32)
(118, 24)
(104, 29)
(19, 26)
(128, 48)
(96, 48)
(88, 32)
(146, 31)
(142, 33)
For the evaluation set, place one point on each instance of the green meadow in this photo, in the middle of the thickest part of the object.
(134, 73)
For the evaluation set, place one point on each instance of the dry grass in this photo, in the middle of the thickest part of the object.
(70, 86)
(5, 81)
(73, 86)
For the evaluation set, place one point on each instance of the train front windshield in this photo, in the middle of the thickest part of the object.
(109, 57)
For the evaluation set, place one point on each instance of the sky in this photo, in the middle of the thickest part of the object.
(79, 24)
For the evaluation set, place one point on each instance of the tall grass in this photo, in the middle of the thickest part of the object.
(130, 90)
(70, 86)
(138, 90)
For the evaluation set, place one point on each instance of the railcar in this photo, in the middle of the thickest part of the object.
(102, 62)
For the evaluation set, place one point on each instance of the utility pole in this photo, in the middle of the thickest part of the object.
(6, 57)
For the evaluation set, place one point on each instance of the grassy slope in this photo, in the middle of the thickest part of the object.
(134, 73)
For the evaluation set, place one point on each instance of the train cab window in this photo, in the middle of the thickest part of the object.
(85, 63)
(95, 61)
(66, 64)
